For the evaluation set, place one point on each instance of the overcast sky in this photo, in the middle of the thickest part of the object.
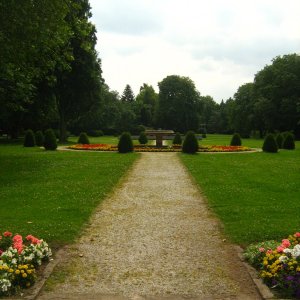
(219, 44)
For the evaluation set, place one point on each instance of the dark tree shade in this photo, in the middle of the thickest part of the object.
(143, 138)
(83, 138)
(270, 144)
(236, 140)
(29, 140)
(39, 138)
(125, 144)
(177, 139)
(279, 140)
(50, 142)
(190, 144)
(289, 142)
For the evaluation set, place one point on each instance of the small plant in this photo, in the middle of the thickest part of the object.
(39, 138)
(29, 140)
(289, 142)
(279, 140)
(50, 142)
(83, 138)
(143, 138)
(177, 139)
(125, 144)
(190, 144)
(270, 144)
(236, 140)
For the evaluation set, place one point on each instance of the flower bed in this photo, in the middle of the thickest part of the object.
(278, 264)
(151, 148)
(19, 261)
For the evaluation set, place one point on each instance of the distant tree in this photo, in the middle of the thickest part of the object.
(127, 95)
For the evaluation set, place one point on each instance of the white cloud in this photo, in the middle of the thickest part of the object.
(218, 44)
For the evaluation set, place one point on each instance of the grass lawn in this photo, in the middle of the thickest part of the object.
(256, 195)
(51, 194)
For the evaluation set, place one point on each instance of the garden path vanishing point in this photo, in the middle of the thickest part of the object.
(153, 238)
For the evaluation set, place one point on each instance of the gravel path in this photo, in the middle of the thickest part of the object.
(154, 237)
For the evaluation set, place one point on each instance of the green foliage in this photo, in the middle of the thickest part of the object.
(95, 133)
(289, 142)
(127, 95)
(50, 142)
(270, 144)
(279, 140)
(236, 140)
(39, 138)
(125, 144)
(177, 139)
(143, 138)
(190, 143)
(29, 140)
(83, 138)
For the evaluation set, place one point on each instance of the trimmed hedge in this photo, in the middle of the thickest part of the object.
(177, 139)
(39, 138)
(236, 140)
(29, 140)
(83, 138)
(190, 144)
(143, 138)
(125, 144)
(270, 144)
(289, 142)
(50, 142)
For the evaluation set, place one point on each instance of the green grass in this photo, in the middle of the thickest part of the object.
(51, 194)
(256, 195)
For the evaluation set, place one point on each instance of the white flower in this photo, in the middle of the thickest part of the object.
(4, 285)
(287, 250)
(296, 251)
(283, 258)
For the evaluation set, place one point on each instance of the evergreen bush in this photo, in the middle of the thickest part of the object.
(39, 138)
(279, 140)
(83, 138)
(190, 144)
(50, 142)
(289, 142)
(143, 138)
(177, 139)
(29, 140)
(125, 143)
(236, 140)
(270, 144)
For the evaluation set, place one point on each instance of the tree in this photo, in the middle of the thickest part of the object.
(178, 104)
(127, 95)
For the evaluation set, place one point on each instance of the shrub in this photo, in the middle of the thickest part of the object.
(143, 138)
(83, 138)
(95, 133)
(177, 139)
(125, 143)
(289, 142)
(29, 140)
(50, 140)
(190, 144)
(236, 140)
(270, 144)
(279, 140)
(203, 135)
(39, 138)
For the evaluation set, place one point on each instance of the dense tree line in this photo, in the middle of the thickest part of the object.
(50, 76)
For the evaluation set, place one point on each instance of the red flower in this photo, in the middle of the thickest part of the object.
(32, 239)
(18, 243)
(7, 233)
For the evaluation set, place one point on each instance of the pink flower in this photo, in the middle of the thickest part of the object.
(18, 243)
(269, 251)
(1, 252)
(261, 249)
(280, 249)
(7, 233)
(297, 234)
(32, 239)
(285, 243)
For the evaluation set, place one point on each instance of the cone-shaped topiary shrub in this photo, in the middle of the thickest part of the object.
(83, 138)
(50, 140)
(177, 139)
(270, 144)
(39, 138)
(289, 142)
(190, 143)
(236, 140)
(125, 143)
(29, 140)
(143, 138)
(279, 140)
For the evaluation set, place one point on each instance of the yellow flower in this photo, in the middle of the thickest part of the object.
(10, 270)
(24, 275)
(25, 267)
(22, 271)
(29, 271)
(17, 272)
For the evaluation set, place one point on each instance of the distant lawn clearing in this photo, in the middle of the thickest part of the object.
(257, 196)
(51, 194)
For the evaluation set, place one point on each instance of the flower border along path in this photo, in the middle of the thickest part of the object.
(153, 238)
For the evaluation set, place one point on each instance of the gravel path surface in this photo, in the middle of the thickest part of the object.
(154, 238)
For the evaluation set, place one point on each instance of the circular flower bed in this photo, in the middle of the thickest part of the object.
(278, 264)
(19, 260)
(151, 148)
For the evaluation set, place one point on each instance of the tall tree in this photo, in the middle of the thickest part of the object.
(128, 95)
(178, 104)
